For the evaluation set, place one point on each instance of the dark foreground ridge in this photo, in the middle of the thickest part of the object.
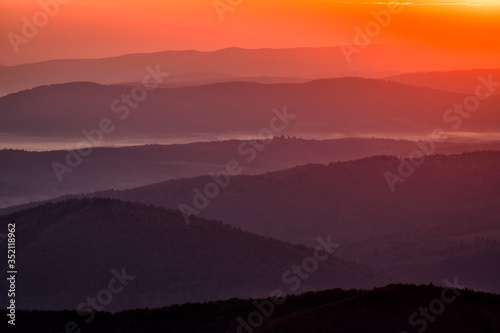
(395, 308)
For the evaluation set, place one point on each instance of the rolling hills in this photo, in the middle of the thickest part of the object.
(351, 107)
(443, 220)
(72, 249)
(30, 176)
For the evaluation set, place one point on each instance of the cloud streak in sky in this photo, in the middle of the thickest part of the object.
(426, 3)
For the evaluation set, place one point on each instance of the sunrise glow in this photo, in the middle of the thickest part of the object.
(96, 29)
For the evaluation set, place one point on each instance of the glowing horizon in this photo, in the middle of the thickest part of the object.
(92, 29)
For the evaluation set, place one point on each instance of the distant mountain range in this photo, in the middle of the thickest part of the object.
(331, 107)
(70, 250)
(462, 82)
(198, 67)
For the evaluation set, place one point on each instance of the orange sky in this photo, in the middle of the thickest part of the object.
(100, 28)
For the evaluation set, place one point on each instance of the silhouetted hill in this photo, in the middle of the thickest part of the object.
(396, 309)
(29, 176)
(67, 251)
(379, 310)
(463, 82)
(441, 181)
(443, 220)
(340, 107)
